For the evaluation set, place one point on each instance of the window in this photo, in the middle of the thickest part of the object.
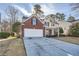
(46, 23)
(34, 21)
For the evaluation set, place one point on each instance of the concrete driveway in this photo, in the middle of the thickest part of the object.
(50, 47)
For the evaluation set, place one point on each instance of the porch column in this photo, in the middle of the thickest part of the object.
(43, 31)
(58, 32)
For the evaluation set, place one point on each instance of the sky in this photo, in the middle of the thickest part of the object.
(48, 8)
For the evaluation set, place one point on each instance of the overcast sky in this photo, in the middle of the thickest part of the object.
(48, 8)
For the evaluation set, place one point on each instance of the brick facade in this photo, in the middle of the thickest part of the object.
(28, 24)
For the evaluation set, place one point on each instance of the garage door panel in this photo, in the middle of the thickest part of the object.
(33, 33)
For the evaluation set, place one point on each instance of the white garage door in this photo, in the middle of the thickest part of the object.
(33, 33)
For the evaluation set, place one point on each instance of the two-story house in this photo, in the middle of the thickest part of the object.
(34, 26)
(52, 25)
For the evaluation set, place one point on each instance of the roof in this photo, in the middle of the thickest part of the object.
(71, 20)
(36, 17)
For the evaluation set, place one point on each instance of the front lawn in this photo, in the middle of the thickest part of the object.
(13, 47)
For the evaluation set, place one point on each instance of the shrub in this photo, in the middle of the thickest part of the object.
(61, 30)
(12, 34)
(74, 30)
(4, 34)
(16, 27)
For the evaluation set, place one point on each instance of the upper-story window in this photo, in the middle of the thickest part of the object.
(46, 23)
(34, 21)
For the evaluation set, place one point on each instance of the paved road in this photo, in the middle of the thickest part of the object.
(50, 47)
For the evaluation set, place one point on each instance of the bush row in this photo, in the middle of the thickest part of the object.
(4, 34)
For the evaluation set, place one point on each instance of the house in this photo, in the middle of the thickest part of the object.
(52, 24)
(73, 22)
(33, 27)
(5, 26)
(37, 27)
(52, 29)
(65, 26)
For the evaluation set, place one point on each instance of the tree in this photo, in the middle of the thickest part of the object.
(24, 18)
(71, 18)
(37, 7)
(37, 10)
(61, 16)
(16, 27)
(51, 18)
(12, 15)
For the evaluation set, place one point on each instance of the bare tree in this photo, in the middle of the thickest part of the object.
(12, 15)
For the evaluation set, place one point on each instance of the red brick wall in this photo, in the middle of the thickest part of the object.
(28, 24)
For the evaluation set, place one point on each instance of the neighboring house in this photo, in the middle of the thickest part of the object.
(73, 22)
(65, 26)
(52, 29)
(4, 26)
(52, 24)
(33, 27)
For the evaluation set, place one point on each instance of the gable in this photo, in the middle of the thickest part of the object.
(33, 16)
(29, 23)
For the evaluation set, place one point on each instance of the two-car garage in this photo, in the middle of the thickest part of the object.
(33, 33)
